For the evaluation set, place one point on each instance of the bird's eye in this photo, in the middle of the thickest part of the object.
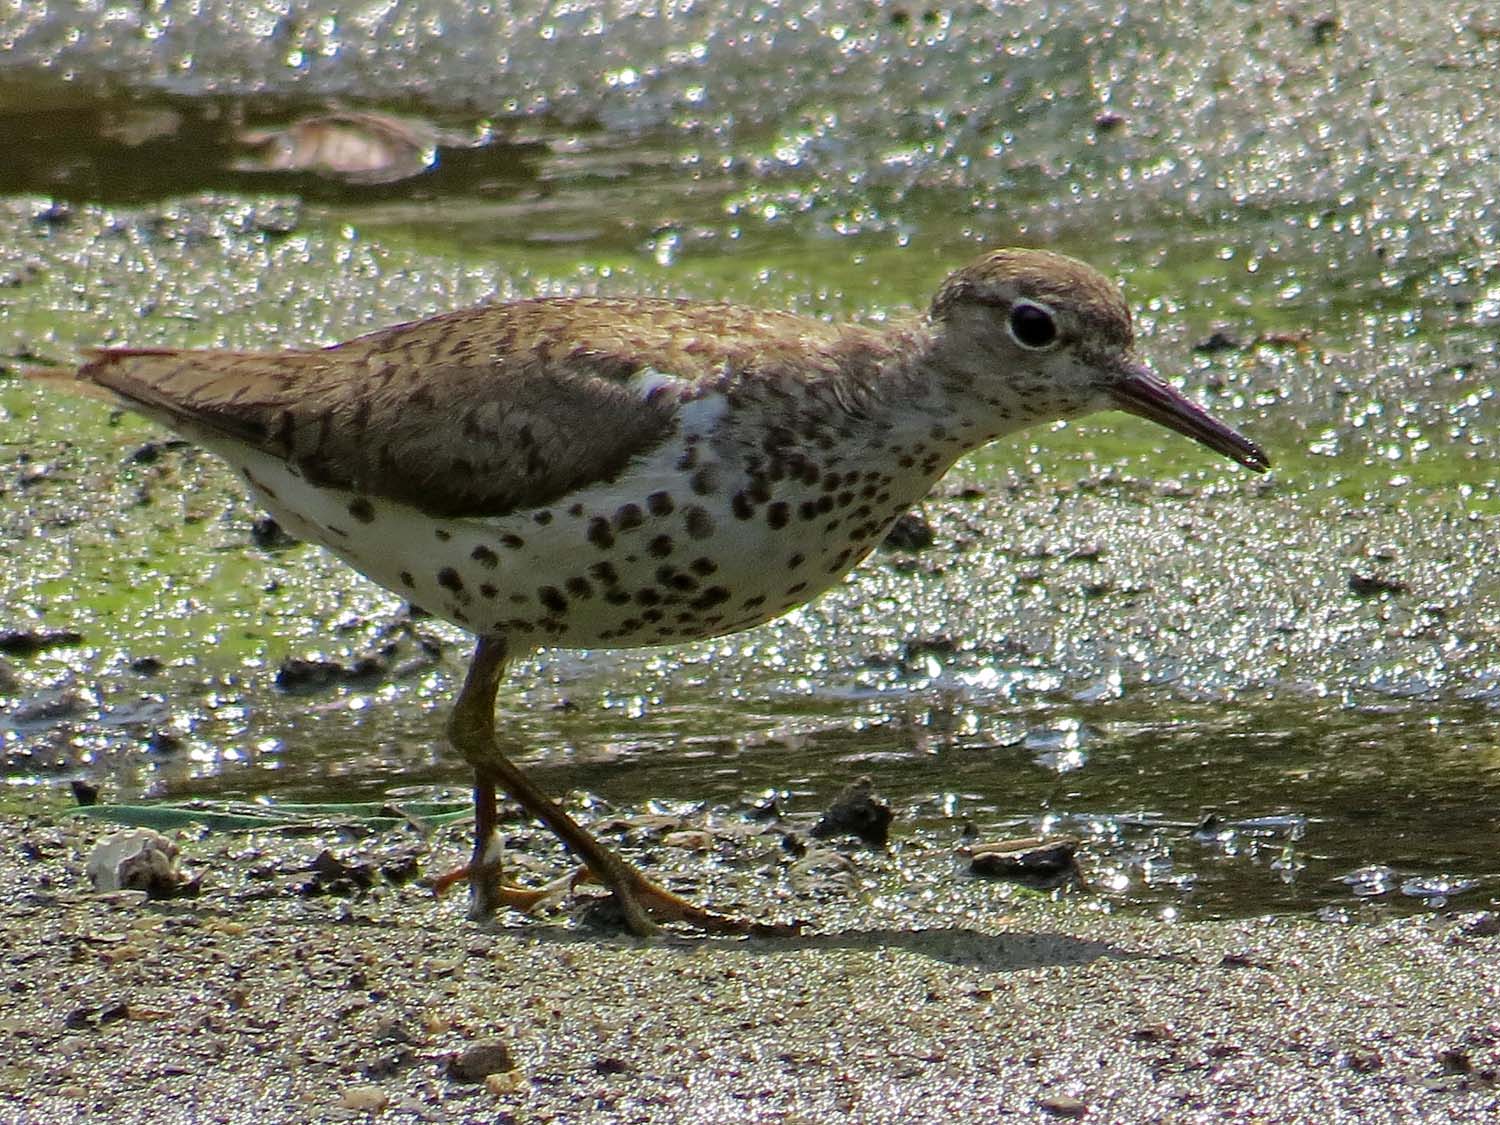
(1032, 326)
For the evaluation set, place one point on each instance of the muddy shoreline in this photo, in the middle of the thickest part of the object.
(259, 1001)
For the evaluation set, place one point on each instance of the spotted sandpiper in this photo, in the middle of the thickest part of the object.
(615, 472)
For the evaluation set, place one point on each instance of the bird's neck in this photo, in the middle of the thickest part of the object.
(918, 389)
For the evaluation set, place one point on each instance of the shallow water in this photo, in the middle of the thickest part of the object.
(1115, 635)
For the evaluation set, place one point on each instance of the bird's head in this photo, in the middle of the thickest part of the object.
(1037, 336)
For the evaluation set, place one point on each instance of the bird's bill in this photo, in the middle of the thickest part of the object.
(1141, 393)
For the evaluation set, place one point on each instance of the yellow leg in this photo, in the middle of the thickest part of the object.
(472, 732)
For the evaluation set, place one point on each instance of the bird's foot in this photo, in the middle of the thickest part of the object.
(655, 903)
(643, 904)
(490, 893)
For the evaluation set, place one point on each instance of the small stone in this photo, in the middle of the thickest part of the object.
(504, 1083)
(1373, 585)
(29, 642)
(692, 840)
(911, 532)
(479, 1061)
(1218, 341)
(297, 674)
(1483, 925)
(365, 1099)
(1028, 859)
(269, 535)
(1455, 1060)
(857, 812)
(55, 215)
(1062, 1105)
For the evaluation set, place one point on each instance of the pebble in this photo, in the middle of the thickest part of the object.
(505, 1082)
(480, 1061)
(692, 840)
(1030, 858)
(367, 1099)
(856, 811)
(910, 532)
(1062, 1105)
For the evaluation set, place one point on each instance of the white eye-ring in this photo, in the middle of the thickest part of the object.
(1032, 325)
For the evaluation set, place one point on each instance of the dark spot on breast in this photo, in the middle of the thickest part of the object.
(442, 535)
(676, 579)
(794, 561)
(576, 510)
(660, 547)
(714, 595)
(407, 580)
(660, 503)
(599, 533)
(552, 598)
(542, 518)
(513, 541)
(751, 603)
(362, 510)
(700, 524)
(796, 588)
(648, 595)
(777, 515)
(807, 510)
(448, 579)
(487, 590)
(627, 517)
(579, 587)
(703, 567)
(616, 597)
(704, 481)
(485, 557)
(604, 572)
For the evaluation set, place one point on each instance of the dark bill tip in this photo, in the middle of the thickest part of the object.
(1141, 393)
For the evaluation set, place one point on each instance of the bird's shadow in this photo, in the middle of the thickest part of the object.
(956, 945)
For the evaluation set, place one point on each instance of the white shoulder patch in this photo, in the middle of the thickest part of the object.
(648, 382)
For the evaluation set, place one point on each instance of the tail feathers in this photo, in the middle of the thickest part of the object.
(73, 380)
(122, 377)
